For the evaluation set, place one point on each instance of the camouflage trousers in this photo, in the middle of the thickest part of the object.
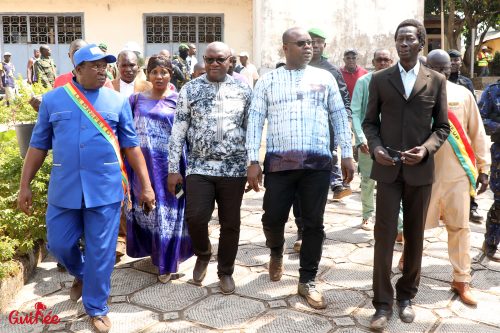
(492, 236)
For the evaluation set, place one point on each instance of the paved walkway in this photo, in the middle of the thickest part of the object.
(140, 304)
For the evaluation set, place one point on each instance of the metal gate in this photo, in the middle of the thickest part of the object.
(168, 31)
(22, 33)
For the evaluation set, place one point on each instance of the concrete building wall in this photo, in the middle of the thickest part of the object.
(119, 21)
(361, 24)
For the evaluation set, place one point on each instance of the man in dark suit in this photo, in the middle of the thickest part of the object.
(405, 124)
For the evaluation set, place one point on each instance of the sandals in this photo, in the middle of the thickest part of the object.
(102, 324)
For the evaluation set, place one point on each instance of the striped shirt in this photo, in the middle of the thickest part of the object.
(298, 105)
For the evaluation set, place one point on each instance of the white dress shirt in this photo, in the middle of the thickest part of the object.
(127, 89)
(409, 77)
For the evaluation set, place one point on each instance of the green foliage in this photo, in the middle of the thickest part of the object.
(20, 110)
(495, 64)
(19, 232)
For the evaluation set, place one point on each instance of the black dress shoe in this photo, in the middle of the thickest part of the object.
(200, 270)
(406, 312)
(475, 216)
(380, 319)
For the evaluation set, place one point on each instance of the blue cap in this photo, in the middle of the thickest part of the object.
(91, 52)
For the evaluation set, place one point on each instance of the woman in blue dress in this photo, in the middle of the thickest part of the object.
(160, 233)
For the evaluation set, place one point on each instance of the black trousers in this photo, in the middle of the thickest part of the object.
(311, 186)
(415, 204)
(201, 194)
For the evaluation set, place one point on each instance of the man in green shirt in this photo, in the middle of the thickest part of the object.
(381, 60)
(45, 67)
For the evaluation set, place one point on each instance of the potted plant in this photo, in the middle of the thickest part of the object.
(20, 114)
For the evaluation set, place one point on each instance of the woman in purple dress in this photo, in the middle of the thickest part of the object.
(160, 233)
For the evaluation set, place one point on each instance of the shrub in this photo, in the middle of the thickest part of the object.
(18, 231)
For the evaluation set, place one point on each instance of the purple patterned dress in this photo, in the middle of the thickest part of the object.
(162, 234)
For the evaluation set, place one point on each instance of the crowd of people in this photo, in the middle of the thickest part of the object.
(141, 158)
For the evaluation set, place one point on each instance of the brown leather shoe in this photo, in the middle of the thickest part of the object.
(226, 284)
(200, 270)
(275, 268)
(102, 324)
(76, 290)
(463, 290)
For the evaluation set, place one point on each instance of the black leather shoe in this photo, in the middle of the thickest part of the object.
(226, 284)
(475, 217)
(380, 319)
(406, 312)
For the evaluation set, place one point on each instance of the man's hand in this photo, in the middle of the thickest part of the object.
(348, 168)
(382, 156)
(483, 180)
(35, 102)
(364, 148)
(254, 177)
(24, 200)
(173, 180)
(147, 197)
(414, 155)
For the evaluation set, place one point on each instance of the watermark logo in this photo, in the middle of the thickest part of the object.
(39, 316)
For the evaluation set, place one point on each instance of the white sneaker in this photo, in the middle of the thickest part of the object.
(367, 224)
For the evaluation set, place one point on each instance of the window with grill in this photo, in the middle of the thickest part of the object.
(183, 29)
(41, 29)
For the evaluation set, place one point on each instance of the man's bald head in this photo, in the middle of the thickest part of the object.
(75, 46)
(439, 60)
(291, 33)
(218, 47)
(165, 53)
(126, 54)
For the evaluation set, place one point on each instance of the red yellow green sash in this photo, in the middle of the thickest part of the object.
(102, 126)
(463, 150)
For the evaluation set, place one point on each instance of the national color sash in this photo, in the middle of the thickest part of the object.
(463, 150)
(102, 126)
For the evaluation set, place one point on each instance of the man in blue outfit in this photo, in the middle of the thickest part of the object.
(85, 126)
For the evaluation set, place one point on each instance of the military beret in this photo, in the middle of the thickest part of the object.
(454, 53)
(317, 32)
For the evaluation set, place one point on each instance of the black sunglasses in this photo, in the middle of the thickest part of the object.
(301, 43)
(220, 61)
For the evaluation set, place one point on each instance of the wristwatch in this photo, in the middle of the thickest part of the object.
(254, 162)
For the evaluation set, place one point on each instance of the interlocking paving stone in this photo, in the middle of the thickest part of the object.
(431, 293)
(477, 239)
(172, 296)
(6, 326)
(490, 264)
(277, 304)
(261, 287)
(349, 235)
(486, 303)
(350, 330)
(335, 250)
(177, 327)
(444, 313)
(170, 316)
(254, 219)
(145, 265)
(33, 291)
(212, 279)
(59, 304)
(459, 325)
(124, 318)
(435, 268)
(57, 327)
(486, 281)
(344, 321)
(340, 302)
(289, 321)
(128, 280)
(362, 256)
(248, 233)
(437, 250)
(350, 275)
(424, 319)
(252, 256)
(224, 312)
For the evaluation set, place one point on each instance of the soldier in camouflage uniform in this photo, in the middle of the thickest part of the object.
(45, 68)
(489, 106)
(181, 63)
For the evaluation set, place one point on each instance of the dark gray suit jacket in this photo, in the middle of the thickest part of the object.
(403, 123)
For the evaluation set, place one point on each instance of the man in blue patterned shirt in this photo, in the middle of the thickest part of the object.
(298, 101)
(211, 118)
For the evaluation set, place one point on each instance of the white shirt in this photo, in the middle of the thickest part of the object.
(191, 60)
(126, 89)
(409, 77)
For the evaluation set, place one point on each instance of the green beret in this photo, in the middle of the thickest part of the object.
(317, 32)
(183, 47)
(454, 53)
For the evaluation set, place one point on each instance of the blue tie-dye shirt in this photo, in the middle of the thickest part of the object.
(298, 105)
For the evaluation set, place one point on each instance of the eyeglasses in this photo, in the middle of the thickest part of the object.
(382, 59)
(220, 61)
(301, 43)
